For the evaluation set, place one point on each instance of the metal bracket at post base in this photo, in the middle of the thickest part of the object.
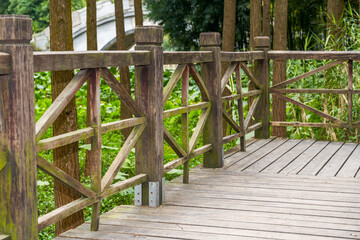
(154, 196)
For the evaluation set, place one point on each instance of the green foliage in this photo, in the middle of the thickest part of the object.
(346, 39)
(184, 20)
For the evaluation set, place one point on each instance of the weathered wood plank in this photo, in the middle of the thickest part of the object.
(237, 157)
(316, 164)
(62, 176)
(288, 157)
(121, 124)
(304, 158)
(321, 55)
(242, 56)
(240, 107)
(350, 95)
(351, 166)
(174, 144)
(185, 133)
(337, 160)
(5, 64)
(121, 157)
(187, 57)
(303, 90)
(120, 92)
(268, 160)
(251, 112)
(120, 186)
(309, 124)
(231, 121)
(61, 102)
(190, 108)
(95, 141)
(177, 162)
(69, 60)
(234, 136)
(308, 74)
(64, 211)
(238, 96)
(198, 129)
(254, 157)
(64, 139)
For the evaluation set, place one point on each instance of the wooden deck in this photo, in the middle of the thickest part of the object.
(277, 189)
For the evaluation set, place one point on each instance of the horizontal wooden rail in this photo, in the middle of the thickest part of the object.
(242, 56)
(309, 124)
(181, 110)
(178, 162)
(5, 63)
(68, 60)
(243, 95)
(187, 57)
(121, 186)
(317, 55)
(75, 136)
(234, 136)
(320, 91)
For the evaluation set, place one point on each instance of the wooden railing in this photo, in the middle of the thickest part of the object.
(22, 139)
(280, 90)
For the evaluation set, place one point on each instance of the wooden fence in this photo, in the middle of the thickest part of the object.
(22, 138)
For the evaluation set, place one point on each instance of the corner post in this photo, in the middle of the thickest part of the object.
(261, 72)
(18, 200)
(211, 74)
(149, 151)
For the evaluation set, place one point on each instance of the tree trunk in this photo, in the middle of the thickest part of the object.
(279, 66)
(124, 71)
(255, 21)
(228, 42)
(255, 30)
(335, 10)
(91, 39)
(66, 158)
(138, 13)
(266, 18)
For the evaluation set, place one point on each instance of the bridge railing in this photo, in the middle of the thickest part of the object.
(340, 82)
(22, 139)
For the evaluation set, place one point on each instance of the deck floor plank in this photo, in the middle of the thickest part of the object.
(277, 189)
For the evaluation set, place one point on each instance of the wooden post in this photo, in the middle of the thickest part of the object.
(211, 74)
(18, 201)
(149, 151)
(261, 71)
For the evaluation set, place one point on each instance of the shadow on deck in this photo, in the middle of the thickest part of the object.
(277, 189)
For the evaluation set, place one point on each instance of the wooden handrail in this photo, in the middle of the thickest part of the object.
(317, 55)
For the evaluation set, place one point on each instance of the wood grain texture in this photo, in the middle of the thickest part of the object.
(211, 74)
(17, 132)
(320, 55)
(182, 57)
(5, 63)
(65, 60)
(149, 151)
(190, 108)
(241, 56)
(185, 131)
